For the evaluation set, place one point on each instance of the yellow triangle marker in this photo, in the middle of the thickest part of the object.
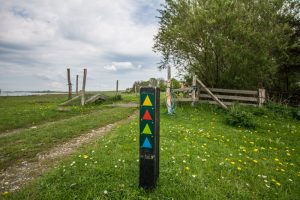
(147, 101)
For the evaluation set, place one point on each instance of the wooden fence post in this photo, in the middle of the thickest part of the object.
(117, 87)
(261, 96)
(83, 87)
(77, 76)
(168, 92)
(69, 83)
(194, 89)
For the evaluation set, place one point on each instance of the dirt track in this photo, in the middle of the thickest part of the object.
(16, 176)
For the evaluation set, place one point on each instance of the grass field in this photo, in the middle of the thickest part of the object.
(201, 158)
(28, 111)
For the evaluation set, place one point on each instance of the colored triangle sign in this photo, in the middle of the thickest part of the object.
(147, 130)
(147, 116)
(147, 144)
(147, 101)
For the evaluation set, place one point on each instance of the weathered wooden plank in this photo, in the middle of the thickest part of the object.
(249, 92)
(212, 95)
(182, 89)
(194, 89)
(69, 83)
(83, 87)
(229, 97)
(184, 100)
(95, 98)
(227, 103)
(70, 100)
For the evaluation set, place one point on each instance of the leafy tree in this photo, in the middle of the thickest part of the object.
(227, 43)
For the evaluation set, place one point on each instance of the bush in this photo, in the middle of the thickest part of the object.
(237, 117)
(296, 114)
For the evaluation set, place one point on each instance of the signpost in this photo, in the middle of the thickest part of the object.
(149, 137)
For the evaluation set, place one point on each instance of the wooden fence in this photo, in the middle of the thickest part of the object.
(223, 97)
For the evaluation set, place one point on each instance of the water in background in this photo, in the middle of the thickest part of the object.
(26, 93)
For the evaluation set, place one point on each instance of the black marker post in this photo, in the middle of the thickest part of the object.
(149, 137)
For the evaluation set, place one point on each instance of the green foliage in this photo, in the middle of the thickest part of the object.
(240, 118)
(175, 84)
(227, 43)
(27, 142)
(201, 158)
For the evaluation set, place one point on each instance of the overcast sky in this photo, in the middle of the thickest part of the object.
(113, 39)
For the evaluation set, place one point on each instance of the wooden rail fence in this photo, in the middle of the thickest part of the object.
(223, 97)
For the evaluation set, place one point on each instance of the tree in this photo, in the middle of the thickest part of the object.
(227, 43)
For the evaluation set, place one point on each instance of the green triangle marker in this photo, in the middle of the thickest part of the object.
(147, 130)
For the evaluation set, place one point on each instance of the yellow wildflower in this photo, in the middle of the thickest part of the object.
(85, 156)
(276, 159)
(239, 168)
(5, 193)
(187, 168)
(251, 142)
(255, 161)
(232, 163)
(255, 150)
(278, 184)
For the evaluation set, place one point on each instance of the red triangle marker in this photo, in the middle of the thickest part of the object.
(147, 116)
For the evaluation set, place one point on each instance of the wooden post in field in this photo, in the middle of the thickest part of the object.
(261, 96)
(117, 87)
(69, 83)
(135, 89)
(168, 92)
(83, 87)
(77, 76)
(194, 86)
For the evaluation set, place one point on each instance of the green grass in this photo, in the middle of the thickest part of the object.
(28, 111)
(27, 143)
(201, 158)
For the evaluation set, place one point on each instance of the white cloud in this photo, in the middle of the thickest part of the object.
(41, 38)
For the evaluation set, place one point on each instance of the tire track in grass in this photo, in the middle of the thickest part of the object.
(14, 177)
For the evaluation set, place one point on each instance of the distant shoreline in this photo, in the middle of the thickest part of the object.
(28, 93)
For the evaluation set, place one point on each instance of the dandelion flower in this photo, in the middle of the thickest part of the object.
(5, 193)
(255, 161)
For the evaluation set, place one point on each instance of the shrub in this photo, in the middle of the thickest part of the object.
(237, 117)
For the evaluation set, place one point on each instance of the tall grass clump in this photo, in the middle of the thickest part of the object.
(238, 117)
